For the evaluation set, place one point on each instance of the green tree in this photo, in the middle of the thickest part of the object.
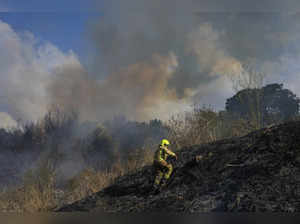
(274, 104)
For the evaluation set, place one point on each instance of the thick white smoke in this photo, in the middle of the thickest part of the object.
(6, 121)
(141, 83)
(152, 58)
(27, 67)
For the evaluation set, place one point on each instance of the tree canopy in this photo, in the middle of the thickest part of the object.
(264, 105)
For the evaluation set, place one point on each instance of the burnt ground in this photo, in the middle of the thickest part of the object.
(259, 172)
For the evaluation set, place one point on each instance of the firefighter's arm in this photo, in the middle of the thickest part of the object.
(169, 152)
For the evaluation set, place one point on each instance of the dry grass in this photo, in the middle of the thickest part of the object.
(37, 193)
(40, 192)
(191, 128)
(88, 182)
(203, 125)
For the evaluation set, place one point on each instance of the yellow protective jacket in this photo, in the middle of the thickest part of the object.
(162, 153)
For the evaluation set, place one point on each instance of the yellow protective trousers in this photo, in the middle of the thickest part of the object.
(162, 169)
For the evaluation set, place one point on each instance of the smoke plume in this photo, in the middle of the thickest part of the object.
(150, 59)
(26, 70)
(153, 59)
(134, 90)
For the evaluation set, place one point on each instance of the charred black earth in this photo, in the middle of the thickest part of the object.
(257, 173)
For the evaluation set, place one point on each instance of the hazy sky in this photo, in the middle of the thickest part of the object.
(143, 59)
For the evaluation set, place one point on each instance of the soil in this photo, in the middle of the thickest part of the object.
(258, 172)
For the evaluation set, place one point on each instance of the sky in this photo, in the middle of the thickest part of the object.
(48, 6)
(63, 23)
(142, 59)
(46, 26)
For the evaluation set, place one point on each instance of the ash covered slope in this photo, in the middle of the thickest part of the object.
(257, 172)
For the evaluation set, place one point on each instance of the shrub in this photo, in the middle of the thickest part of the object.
(37, 192)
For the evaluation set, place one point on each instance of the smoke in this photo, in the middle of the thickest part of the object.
(149, 70)
(26, 70)
(153, 58)
(7, 121)
(285, 70)
(131, 91)
(150, 59)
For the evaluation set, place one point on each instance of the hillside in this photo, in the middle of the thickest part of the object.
(256, 172)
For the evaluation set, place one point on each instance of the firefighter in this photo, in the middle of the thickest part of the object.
(163, 169)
